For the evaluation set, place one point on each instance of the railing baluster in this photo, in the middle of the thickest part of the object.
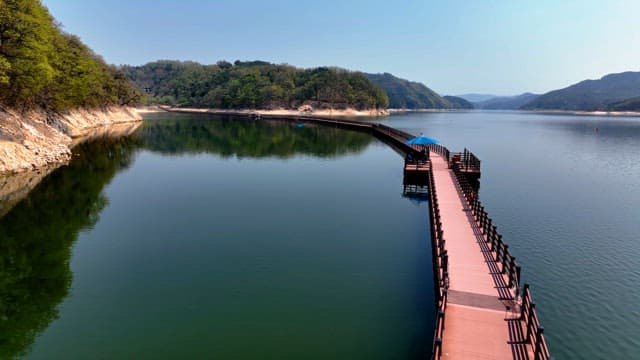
(539, 333)
(532, 310)
(512, 269)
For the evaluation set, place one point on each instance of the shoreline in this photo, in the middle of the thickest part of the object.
(584, 113)
(35, 140)
(326, 113)
(538, 112)
(376, 113)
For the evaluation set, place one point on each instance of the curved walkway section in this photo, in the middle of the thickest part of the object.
(479, 314)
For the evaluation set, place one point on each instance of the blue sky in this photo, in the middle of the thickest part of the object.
(498, 47)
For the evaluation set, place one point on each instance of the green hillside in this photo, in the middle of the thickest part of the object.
(405, 94)
(590, 95)
(632, 104)
(254, 85)
(456, 102)
(43, 67)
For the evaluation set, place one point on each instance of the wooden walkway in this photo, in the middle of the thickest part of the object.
(480, 306)
(479, 314)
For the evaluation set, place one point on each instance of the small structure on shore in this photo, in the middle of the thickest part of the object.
(306, 109)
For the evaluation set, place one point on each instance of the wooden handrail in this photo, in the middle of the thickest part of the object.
(534, 331)
(528, 315)
(441, 267)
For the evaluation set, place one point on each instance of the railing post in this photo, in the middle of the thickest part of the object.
(518, 269)
(525, 301)
(437, 348)
(512, 266)
(505, 251)
(445, 295)
(531, 312)
(494, 232)
(445, 279)
(539, 334)
(445, 260)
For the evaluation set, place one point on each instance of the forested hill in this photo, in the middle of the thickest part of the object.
(405, 94)
(457, 102)
(254, 85)
(608, 92)
(632, 104)
(43, 67)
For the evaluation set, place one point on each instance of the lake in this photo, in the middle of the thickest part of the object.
(202, 236)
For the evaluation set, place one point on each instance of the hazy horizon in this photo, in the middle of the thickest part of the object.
(499, 48)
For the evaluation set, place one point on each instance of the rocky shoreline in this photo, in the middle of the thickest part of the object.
(35, 139)
(288, 112)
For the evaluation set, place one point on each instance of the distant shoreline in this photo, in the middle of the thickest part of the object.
(328, 113)
(539, 112)
(583, 113)
(379, 113)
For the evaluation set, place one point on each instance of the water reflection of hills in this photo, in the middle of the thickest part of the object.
(36, 238)
(181, 133)
(37, 234)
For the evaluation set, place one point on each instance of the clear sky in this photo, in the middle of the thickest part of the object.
(499, 47)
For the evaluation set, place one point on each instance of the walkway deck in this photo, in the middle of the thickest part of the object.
(481, 314)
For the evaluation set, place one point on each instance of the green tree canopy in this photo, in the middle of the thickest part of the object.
(254, 84)
(43, 67)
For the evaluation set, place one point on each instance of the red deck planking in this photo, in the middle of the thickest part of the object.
(480, 320)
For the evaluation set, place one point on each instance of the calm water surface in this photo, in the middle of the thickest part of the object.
(203, 238)
(565, 193)
(232, 239)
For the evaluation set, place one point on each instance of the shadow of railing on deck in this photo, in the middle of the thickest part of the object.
(501, 263)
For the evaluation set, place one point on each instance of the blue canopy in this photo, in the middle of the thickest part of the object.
(422, 140)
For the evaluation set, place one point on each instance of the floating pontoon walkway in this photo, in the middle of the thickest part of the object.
(482, 312)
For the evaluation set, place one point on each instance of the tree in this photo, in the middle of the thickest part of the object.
(43, 67)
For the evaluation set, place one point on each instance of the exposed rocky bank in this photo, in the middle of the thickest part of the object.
(36, 139)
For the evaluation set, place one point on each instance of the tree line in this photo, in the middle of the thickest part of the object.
(253, 85)
(43, 67)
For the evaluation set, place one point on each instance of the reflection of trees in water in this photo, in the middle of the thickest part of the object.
(36, 238)
(37, 234)
(247, 138)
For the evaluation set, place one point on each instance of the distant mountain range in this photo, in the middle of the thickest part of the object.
(405, 94)
(613, 90)
(475, 98)
(505, 102)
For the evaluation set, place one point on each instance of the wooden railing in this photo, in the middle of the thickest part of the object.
(417, 164)
(528, 316)
(502, 255)
(440, 268)
(466, 161)
(534, 331)
(440, 150)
